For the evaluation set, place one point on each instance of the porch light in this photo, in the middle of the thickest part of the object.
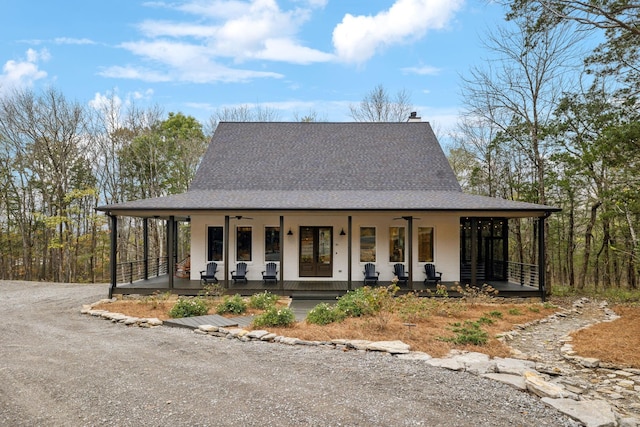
(289, 233)
(342, 233)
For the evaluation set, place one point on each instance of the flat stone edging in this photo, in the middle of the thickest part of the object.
(520, 374)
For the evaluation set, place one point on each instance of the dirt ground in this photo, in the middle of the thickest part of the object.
(61, 368)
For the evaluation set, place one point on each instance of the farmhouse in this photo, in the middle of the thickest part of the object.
(320, 201)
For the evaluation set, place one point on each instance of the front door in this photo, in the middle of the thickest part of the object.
(316, 258)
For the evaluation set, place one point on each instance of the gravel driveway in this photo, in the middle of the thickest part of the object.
(61, 368)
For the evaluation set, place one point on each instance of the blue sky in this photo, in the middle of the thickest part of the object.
(296, 56)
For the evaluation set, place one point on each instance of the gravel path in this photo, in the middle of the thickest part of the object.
(61, 368)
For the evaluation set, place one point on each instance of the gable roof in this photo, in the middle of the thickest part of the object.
(324, 166)
(325, 156)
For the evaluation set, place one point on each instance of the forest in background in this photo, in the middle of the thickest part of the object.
(546, 121)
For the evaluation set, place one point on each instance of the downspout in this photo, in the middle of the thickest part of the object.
(349, 255)
(226, 251)
(114, 253)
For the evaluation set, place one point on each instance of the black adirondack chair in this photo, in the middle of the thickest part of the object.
(370, 274)
(271, 273)
(209, 275)
(433, 276)
(403, 276)
(240, 273)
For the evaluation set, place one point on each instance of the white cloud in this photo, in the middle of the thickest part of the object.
(69, 40)
(425, 70)
(23, 73)
(198, 50)
(358, 38)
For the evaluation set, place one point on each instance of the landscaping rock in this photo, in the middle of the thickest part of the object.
(591, 413)
(391, 347)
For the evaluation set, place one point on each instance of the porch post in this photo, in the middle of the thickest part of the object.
(113, 267)
(541, 258)
(410, 251)
(226, 251)
(145, 246)
(281, 239)
(474, 251)
(349, 260)
(170, 249)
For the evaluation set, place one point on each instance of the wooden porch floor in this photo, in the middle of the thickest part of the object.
(299, 289)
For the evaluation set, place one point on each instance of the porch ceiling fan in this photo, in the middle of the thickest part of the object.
(406, 218)
(241, 217)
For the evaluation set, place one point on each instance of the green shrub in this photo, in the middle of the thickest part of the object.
(467, 333)
(515, 312)
(534, 309)
(366, 301)
(484, 320)
(263, 300)
(189, 307)
(232, 304)
(323, 314)
(495, 313)
(275, 317)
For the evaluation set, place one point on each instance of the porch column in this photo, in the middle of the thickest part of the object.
(410, 251)
(281, 240)
(349, 245)
(113, 267)
(226, 251)
(170, 249)
(474, 251)
(541, 258)
(145, 246)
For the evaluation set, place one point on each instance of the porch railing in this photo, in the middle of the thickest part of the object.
(131, 271)
(525, 274)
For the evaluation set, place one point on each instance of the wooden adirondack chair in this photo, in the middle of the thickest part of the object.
(209, 275)
(271, 273)
(240, 273)
(433, 276)
(370, 274)
(403, 276)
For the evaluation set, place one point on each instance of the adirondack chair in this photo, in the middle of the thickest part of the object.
(433, 276)
(271, 273)
(370, 274)
(240, 273)
(209, 275)
(403, 276)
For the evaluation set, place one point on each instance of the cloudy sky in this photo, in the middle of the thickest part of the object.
(198, 56)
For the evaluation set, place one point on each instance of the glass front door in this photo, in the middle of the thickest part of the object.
(316, 258)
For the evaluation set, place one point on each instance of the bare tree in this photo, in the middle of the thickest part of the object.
(242, 113)
(379, 106)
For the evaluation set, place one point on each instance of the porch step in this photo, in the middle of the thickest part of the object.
(316, 295)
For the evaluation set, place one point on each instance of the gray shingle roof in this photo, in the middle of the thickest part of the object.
(324, 166)
(324, 156)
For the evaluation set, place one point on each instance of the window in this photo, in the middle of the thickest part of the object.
(243, 243)
(425, 244)
(367, 244)
(214, 243)
(272, 243)
(396, 244)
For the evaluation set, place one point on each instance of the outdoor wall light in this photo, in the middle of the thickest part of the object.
(342, 233)
(289, 233)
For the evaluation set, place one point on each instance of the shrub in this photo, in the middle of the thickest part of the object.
(263, 300)
(323, 314)
(366, 301)
(234, 304)
(467, 333)
(515, 312)
(210, 290)
(275, 317)
(189, 307)
(496, 313)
